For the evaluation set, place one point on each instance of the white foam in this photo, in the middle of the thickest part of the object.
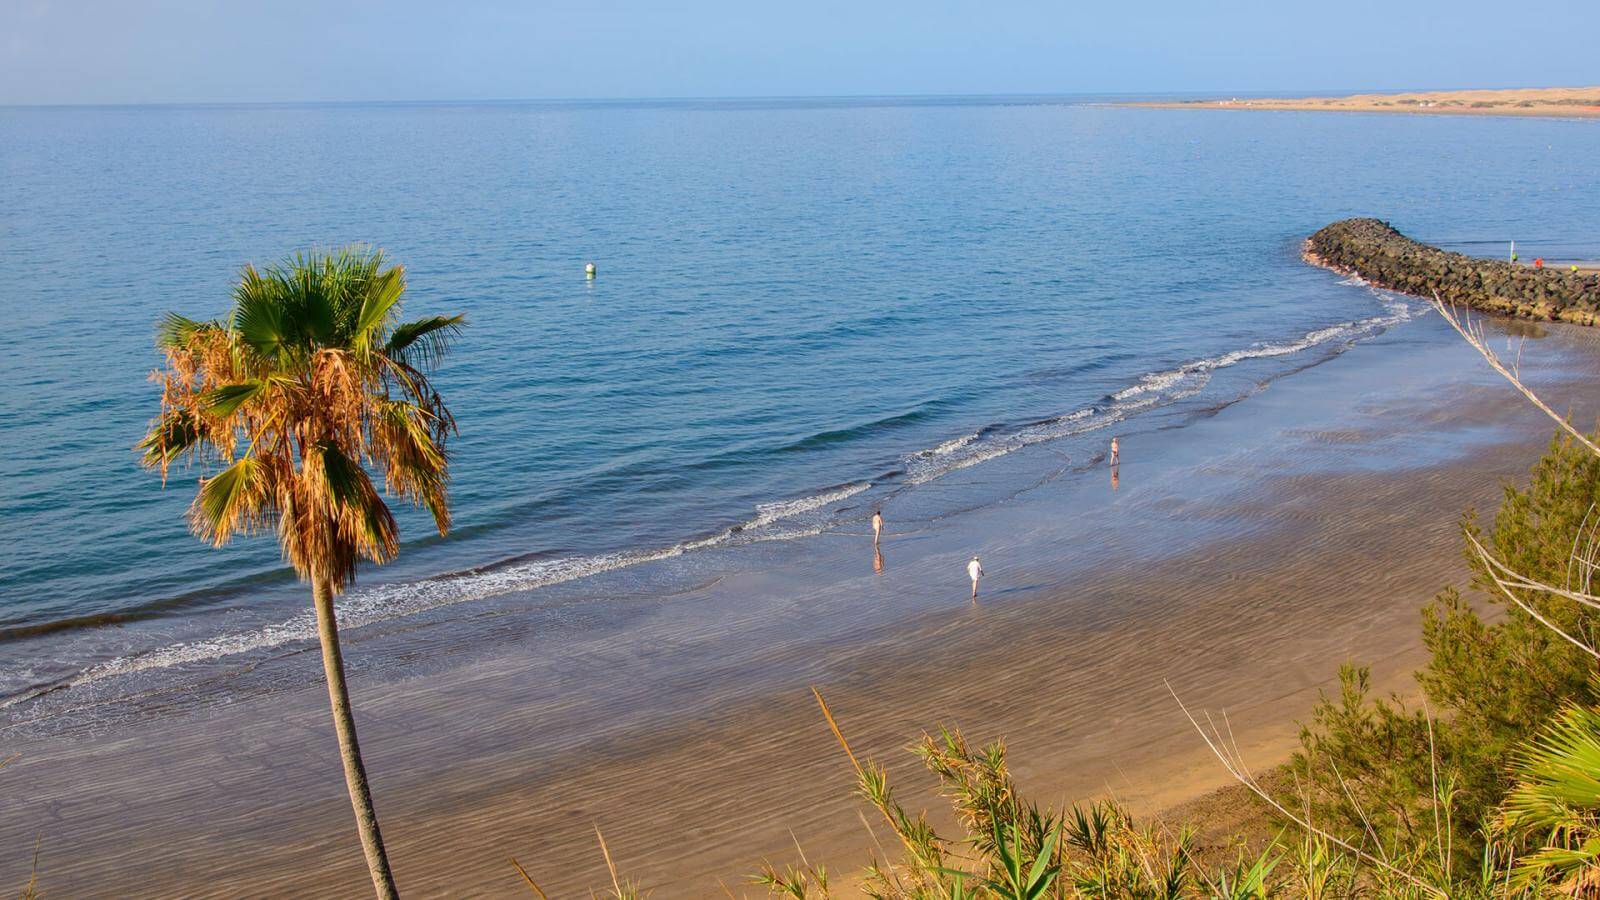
(1151, 389)
(948, 447)
(767, 513)
(379, 603)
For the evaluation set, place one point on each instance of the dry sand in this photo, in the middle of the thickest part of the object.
(1243, 558)
(1583, 102)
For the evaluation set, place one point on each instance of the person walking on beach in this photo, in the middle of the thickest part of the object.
(974, 571)
(877, 526)
(1116, 453)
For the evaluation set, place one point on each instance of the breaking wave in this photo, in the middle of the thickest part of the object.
(1152, 389)
(778, 520)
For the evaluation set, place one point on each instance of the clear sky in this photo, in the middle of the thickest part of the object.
(152, 51)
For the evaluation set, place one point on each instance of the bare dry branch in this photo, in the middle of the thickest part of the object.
(1506, 588)
(1218, 744)
(1474, 336)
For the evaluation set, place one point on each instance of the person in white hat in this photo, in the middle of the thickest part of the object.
(974, 571)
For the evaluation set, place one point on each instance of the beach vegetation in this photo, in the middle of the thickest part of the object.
(311, 381)
(1010, 848)
(1507, 674)
(1495, 674)
(1490, 787)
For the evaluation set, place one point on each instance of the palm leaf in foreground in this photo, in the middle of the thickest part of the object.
(1556, 805)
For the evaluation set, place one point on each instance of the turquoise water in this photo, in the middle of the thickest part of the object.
(803, 307)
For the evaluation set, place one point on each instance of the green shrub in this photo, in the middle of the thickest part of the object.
(1494, 676)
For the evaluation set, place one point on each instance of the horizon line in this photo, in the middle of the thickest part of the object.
(735, 98)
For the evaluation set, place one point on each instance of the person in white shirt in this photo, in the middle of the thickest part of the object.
(1116, 454)
(877, 526)
(974, 571)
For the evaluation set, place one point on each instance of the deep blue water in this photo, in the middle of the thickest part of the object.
(800, 305)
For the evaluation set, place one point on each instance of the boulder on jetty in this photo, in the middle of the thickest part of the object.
(1375, 252)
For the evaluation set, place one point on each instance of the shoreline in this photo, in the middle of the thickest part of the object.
(1242, 558)
(139, 653)
(1573, 103)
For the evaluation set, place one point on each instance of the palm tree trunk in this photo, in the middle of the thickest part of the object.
(344, 723)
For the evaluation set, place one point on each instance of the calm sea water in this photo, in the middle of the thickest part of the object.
(800, 306)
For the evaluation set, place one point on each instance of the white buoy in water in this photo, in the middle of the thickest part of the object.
(588, 270)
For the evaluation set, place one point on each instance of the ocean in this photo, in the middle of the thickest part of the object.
(805, 310)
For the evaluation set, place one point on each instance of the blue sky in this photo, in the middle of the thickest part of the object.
(143, 51)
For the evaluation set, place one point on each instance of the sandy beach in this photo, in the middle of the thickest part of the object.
(1244, 554)
(1578, 102)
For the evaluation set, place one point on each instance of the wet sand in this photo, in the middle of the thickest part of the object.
(1582, 102)
(1241, 558)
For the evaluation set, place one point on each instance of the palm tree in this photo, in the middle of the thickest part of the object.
(308, 382)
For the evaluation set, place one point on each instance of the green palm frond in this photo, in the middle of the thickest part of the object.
(224, 401)
(424, 342)
(230, 502)
(377, 304)
(175, 331)
(1559, 773)
(327, 288)
(1556, 803)
(259, 314)
(175, 433)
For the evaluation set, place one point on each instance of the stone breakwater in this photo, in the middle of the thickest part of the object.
(1375, 252)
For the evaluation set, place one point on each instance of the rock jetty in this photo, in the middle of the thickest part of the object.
(1375, 252)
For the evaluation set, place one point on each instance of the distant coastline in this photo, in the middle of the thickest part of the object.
(1574, 102)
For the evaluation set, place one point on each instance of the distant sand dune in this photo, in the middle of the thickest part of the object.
(1575, 102)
